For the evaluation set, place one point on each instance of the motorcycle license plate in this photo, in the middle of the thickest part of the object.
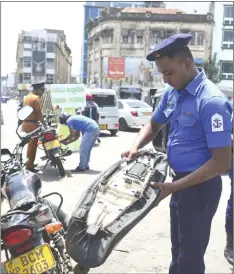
(103, 127)
(52, 144)
(38, 260)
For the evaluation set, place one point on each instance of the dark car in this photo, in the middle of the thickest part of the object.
(4, 99)
(160, 141)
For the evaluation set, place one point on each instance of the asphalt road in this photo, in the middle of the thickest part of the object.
(146, 248)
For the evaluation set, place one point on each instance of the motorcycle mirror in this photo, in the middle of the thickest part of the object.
(5, 158)
(5, 155)
(24, 112)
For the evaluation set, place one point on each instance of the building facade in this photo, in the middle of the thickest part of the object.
(93, 10)
(130, 34)
(223, 43)
(43, 55)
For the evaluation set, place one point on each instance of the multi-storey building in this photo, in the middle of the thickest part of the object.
(130, 33)
(43, 55)
(92, 10)
(223, 43)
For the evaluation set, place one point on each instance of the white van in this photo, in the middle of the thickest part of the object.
(106, 100)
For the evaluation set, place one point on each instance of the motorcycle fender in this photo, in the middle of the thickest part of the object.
(55, 153)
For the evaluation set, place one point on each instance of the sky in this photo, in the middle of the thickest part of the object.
(67, 16)
(15, 17)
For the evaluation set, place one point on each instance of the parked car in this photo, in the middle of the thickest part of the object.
(133, 113)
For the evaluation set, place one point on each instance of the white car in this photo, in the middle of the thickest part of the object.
(133, 113)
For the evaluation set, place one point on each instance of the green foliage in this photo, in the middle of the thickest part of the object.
(212, 69)
(88, 26)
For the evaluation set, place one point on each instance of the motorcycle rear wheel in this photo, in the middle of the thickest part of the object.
(59, 166)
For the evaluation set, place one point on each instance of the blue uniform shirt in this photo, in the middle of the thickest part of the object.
(200, 119)
(81, 123)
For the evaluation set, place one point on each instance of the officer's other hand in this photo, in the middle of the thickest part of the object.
(130, 153)
(166, 189)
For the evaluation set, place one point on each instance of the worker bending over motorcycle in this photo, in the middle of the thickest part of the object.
(90, 131)
(33, 100)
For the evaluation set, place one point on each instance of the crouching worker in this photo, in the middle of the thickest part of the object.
(90, 131)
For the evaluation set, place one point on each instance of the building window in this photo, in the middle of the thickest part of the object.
(27, 47)
(226, 67)
(108, 38)
(228, 36)
(27, 62)
(122, 4)
(226, 70)
(27, 78)
(21, 62)
(139, 39)
(228, 12)
(155, 39)
(200, 38)
(21, 78)
(27, 38)
(197, 37)
(227, 39)
(49, 79)
(49, 63)
(51, 47)
(125, 39)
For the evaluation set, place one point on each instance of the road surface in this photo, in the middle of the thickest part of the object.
(146, 249)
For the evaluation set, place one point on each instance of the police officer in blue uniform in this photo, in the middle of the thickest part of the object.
(198, 148)
(228, 252)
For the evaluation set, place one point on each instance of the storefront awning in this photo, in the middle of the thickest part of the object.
(199, 61)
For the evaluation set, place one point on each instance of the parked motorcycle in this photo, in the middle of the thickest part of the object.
(54, 153)
(33, 230)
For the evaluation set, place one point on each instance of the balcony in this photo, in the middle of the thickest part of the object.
(50, 55)
(197, 47)
(50, 71)
(27, 53)
(26, 70)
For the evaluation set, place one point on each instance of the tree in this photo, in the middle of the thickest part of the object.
(88, 26)
(212, 69)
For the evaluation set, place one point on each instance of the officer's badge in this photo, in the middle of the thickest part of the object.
(217, 122)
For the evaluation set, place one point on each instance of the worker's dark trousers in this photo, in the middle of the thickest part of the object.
(192, 210)
(229, 211)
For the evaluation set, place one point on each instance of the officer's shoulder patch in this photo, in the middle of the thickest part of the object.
(217, 122)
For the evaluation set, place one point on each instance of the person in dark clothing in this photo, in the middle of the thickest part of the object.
(228, 251)
(91, 110)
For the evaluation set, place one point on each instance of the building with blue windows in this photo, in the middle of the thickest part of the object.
(92, 10)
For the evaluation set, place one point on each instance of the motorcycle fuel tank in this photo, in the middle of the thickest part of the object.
(21, 188)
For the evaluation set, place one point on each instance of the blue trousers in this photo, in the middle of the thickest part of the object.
(229, 210)
(87, 143)
(191, 211)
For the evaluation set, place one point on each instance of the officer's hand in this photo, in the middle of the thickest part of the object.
(165, 188)
(129, 154)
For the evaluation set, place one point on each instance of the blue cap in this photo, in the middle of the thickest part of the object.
(169, 46)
